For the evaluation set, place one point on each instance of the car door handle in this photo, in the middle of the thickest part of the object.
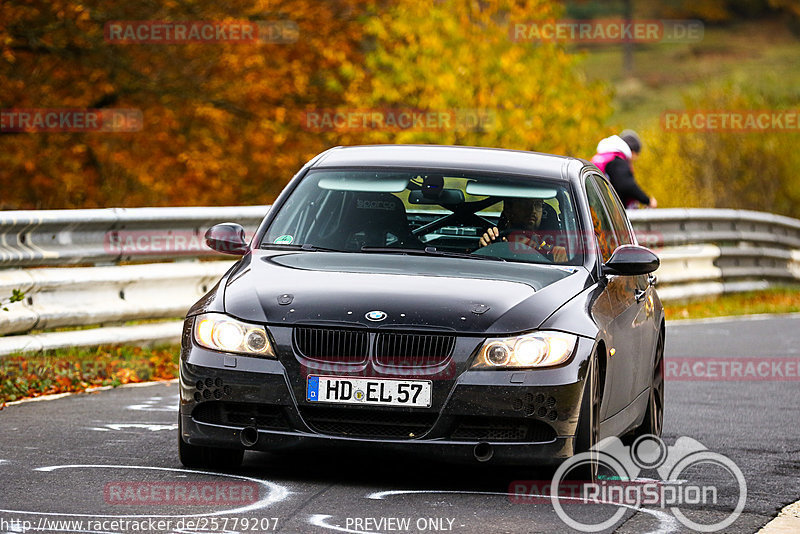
(639, 294)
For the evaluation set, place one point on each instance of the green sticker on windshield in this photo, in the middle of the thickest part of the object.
(284, 240)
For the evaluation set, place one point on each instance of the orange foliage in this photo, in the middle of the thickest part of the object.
(212, 131)
(221, 121)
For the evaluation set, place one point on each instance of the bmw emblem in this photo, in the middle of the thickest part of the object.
(376, 315)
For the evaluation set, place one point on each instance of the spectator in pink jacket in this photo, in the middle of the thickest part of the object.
(615, 157)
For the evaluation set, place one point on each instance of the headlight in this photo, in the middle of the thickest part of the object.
(220, 332)
(539, 349)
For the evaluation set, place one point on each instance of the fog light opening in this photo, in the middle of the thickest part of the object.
(483, 452)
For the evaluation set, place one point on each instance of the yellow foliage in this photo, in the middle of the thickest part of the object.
(456, 55)
(222, 121)
(717, 169)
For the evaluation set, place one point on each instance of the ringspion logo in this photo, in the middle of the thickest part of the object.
(690, 476)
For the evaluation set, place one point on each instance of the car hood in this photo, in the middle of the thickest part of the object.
(450, 294)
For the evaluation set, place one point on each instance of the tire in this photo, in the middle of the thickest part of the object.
(196, 456)
(589, 426)
(654, 415)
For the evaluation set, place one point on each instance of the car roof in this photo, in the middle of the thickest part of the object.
(449, 157)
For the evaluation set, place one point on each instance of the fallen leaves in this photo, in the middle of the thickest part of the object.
(81, 369)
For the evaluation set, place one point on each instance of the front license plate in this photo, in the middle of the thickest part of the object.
(346, 390)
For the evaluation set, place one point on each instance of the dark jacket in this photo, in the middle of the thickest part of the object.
(621, 177)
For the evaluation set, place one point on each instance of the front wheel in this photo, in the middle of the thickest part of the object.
(589, 427)
(654, 415)
(197, 456)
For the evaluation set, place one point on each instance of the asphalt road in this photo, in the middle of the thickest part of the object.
(98, 461)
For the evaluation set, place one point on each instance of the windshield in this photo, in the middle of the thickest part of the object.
(508, 218)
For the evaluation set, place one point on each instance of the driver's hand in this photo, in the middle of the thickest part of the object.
(489, 236)
(559, 254)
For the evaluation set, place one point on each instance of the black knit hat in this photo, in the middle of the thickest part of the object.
(632, 139)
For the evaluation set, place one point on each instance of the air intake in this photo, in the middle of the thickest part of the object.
(331, 344)
(413, 350)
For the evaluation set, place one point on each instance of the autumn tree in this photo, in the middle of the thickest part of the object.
(222, 120)
(214, 114)
(462, 55)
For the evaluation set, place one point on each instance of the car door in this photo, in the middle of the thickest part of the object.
(644, 327)
(617, 308)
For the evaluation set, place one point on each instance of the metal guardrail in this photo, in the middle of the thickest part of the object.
(687, 226)
(57, 298)
(114, 235)
(708, 252)
(703, 252)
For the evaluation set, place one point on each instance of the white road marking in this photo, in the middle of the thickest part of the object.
(153, 405)
(145, 384)
(153, 427)
(666, 522)
(276, 493)
(92, 390)
(40, 398)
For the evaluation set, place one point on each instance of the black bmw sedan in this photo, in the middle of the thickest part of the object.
(468, 304)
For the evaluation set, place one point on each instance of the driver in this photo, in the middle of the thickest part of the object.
(521, 219)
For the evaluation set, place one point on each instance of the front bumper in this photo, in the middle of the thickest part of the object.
(497, 416)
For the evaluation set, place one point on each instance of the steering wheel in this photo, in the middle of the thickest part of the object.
(541, 245)
(515, 250)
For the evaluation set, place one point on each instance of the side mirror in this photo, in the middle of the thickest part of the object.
(631, 260)
(227, 238)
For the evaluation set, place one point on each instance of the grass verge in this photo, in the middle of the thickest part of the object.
(78, 369)
(760, 53)
(782, 299)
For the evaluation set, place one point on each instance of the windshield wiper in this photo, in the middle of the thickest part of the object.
(307, 247)
(428, 251)
(462, 255)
